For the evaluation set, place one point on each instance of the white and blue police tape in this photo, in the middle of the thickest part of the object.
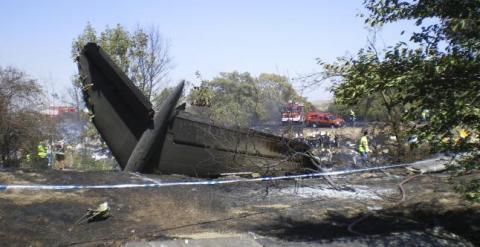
(190, 183)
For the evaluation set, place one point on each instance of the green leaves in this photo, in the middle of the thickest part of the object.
(142, 55)
(22, 126)
(240, 99)
(441, 75)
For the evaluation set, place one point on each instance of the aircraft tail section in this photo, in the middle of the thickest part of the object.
(120, 112)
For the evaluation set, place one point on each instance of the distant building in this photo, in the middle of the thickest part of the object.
(58, 110)
(68, 122)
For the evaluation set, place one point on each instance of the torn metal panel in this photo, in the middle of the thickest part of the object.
(171, 140)
(198, 148)
(430, 165)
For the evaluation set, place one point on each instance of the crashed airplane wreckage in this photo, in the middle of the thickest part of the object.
(172, 141)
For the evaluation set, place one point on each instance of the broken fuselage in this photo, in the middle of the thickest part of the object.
(170, 140)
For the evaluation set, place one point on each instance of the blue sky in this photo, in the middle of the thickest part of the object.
(210, 36)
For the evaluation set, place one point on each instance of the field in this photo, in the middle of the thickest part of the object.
(366, 210)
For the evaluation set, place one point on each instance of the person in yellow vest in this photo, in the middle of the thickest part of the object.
(363, 147)
(42, 151)
(42, 155)
(463, 134)
(352, 117)
(462, 137)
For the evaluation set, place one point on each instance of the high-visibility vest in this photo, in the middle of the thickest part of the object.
(463, 133)
(42, 151)
(363, 145)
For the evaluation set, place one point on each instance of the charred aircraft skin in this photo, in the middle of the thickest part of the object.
(171, 141)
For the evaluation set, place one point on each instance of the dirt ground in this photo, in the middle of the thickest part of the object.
(287, 213)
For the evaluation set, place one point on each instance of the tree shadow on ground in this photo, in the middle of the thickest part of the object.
(418, 224)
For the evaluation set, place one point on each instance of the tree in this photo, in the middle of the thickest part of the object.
(117, 43)
(236, 99)
(161, 97)
(442, 74)
(22, 127)
(240, 99)
(367, 107)
(143, 55)
(367, 77)
(438, 71)
(151, 60)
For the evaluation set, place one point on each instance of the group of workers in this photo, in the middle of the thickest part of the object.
(324, 140)
(46, 156)
(463, 137)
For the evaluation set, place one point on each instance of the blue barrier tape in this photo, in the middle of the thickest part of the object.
(208, 182)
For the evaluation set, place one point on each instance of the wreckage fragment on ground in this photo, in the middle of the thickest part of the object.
(171, 140)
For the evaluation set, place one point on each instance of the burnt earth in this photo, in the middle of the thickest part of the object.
(286, 213)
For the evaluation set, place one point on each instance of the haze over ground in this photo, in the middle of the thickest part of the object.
(283, 37)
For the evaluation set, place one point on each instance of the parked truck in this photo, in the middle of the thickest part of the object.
(293, 113)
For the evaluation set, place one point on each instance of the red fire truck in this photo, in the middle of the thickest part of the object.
(293, 113)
